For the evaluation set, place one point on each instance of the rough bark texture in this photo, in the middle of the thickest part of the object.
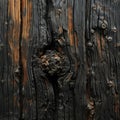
(59, 60)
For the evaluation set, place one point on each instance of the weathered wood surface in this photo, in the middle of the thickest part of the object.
(59, 60)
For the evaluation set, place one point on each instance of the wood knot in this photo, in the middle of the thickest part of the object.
(54, 63)
(103, 24)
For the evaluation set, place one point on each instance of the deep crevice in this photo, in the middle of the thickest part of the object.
(20, 67)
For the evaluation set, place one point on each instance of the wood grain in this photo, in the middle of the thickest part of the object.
(59, 60)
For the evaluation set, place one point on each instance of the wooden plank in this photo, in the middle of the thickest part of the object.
(26, 21)
(7, 87)
(15, 29)
(102, 60)
(14, 32)
(43, 92)
(80, 54)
